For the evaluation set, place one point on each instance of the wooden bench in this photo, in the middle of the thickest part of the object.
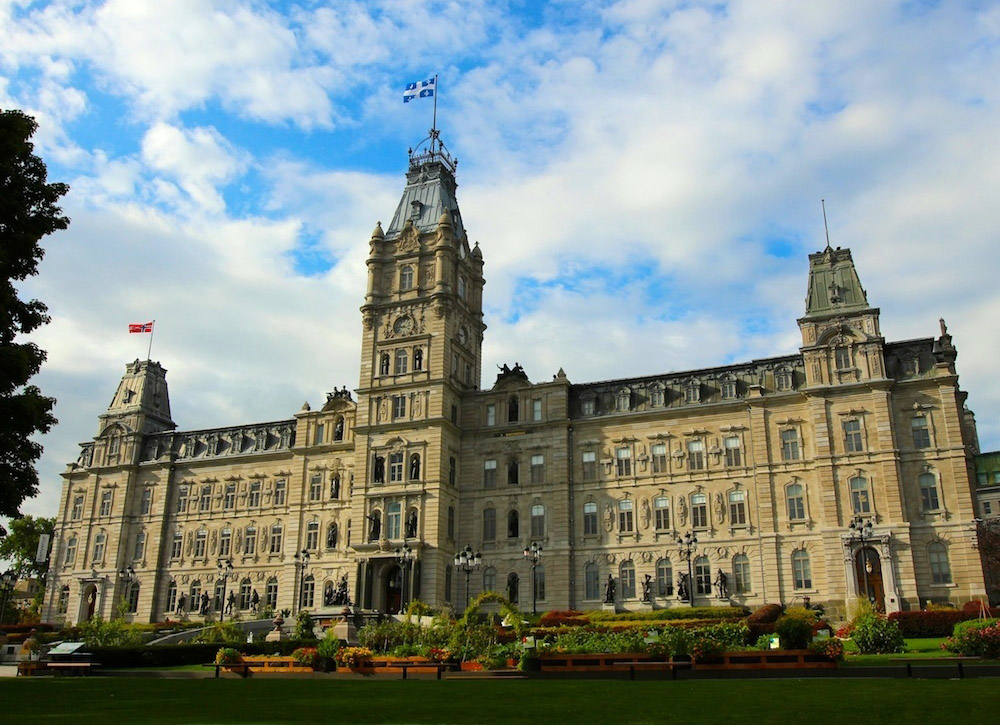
(269, 665)
(389, 665)
(770, 660)
(241, 668)
(655, 666)
(958, 660)
(72, 668)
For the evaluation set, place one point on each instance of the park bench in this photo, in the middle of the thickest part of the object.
(71, 668)
(931, 661)
(386, 666)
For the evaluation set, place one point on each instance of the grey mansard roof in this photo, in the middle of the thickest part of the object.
(429, 193)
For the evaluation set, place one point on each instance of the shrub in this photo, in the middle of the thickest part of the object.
(874, 634)
(707, 613)
(729, 635)
(704, 651)
(568, 618)
(932, 623)
(306, 656)
(859, 607)
(303, 625)
(222, 632)
(114, 633)
(228, 656)
(832, 648)
(768, 614)
(353, 656)
(976, 639)
(795, 632)
(962, 627)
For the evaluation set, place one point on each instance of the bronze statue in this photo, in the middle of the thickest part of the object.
(609, 590)
(646, 583)
(722, 584)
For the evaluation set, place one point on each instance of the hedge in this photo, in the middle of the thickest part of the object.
(169, 655)
(707, 613)
(934, 623)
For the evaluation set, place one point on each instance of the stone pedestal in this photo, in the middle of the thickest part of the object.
(609, 607)
(345, 629)
(644, 607)
(277, 634)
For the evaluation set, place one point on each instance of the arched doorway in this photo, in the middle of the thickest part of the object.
(392, 585)
(88, 603)
(868, 569)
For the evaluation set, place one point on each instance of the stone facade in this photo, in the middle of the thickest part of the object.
(767, 463)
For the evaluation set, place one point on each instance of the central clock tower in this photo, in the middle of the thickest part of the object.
(421, 350)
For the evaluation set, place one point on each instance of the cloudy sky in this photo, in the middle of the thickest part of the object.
(644, 178)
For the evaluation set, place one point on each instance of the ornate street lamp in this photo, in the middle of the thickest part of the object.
(7, 581)
(404, 557)
(687, 544)
(225, 569)
(302, 558)
(861, 531)
(533, 553)
(466, 561)
(128, 577)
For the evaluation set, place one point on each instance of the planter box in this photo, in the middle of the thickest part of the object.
(774, 659)
(471, 667)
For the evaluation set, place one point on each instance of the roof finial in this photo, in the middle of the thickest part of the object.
(825, 227)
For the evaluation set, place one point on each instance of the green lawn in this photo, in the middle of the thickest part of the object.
(929, 648)
(507, 702)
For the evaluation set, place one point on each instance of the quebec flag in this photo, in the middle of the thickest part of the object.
(420, 89)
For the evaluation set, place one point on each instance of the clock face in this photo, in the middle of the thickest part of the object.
(404, 325)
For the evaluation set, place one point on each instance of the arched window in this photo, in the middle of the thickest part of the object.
(312, 535)
(217, 599)
(801, 569)
(537, 521)
(308, 591)
(418, 358)
(246, 592)
(405, 278)
(592, 582)
(69, 559)
(133, 598)
(195, 594)
(940, 566)
(795, 497)
(271, 593)
(860, 495)
(489, 579)
(513, 528)
(741, 574)
(702, 576)
(63, 600)
(513, 587)
(626, 574)
(401, 360)
(171, 597)
(664, 578)
(929, 492)
(383, 365)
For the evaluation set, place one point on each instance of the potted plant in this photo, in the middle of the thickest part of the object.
(356, 659)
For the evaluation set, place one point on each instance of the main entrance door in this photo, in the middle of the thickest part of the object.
(393, 589)
(868, 567)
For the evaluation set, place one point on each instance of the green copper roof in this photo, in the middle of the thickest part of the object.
(834, 287)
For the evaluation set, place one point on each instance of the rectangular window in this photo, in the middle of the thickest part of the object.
(200, 540)
(737, 508)
(696, 455)
(250, 541)
(205, 500)
(229, 500)
(624, 461)
(106, 503)
(699, 511)
(318, 437)
(842, 358)
(852, 436)
(77, 508)
(452, 472)
(490, 473)
(489, 524)
(316, 487)
(146, 503)
(176, 545)
(587, 407)
(225, 542)
(795, 497)
(275, 539)
(728, 389)
(537, 521)
(140, 545)
(254, 499)
(536, 410)
(590, 519)
(538, 469)
(280, 489)
(921, 432)
(661, 513)
(659, 451)
(592, 578)
(394, 518)
(625, 522)
(789, 445)
(702, 575)
(398, 407)
(182, 499)
(929, 492)
(395, 467)
(987, 507)
(589, 465)
(491, 414)
(731, 444)
(99, 541)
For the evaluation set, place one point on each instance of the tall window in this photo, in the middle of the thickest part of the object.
(696, 455)
(790, 445)
(398, 407)
(271, 593)
(731, 444)
(312, 535)
(205, 499)
(194, 594)
(100, 541)
(489, 473)
(592, 582)
(308, 591)
(489, 524)
(538, 468)
(536, 410)
(664, 578)
(405, 278)
(396, 466)
(451, 521)
(659, 453)
(537, 521)
(146, 503)
(316, 487)
(940, 567)
(63, 600)
(77, 508)
(627, 579)
(250, 541)
(539, 582)
(661, 513)
(491, 414)
(253, 501)
(929, 492)
(452, 471)
(489, 579)
(589, 465)
(624, 458)
(623, 400)
(656, 396)
(401, 361)
(280, 489)
(69, 558)
(182, 499)
(921, 432)
(318, 435)
(171, 596)
(590, 519)
(177, 545)
(738, 507)
(461, 287)
(625, 521)
(512, 409)
(801, 569)
(513, 525)
(275, 547)
(741, 574)
(394, 517)
(512, 472)
(105, 503)
(140, 545)
(246, 593)
(200, 540)
(699, 510)
(229, 500)
(133, 598)
(852, 436)
(842, 358)
(794, 495)
(702, 576)
(860, 495)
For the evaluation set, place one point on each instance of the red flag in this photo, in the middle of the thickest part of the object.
(140, 327)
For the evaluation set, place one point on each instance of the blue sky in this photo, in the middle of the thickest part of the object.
(644, 178)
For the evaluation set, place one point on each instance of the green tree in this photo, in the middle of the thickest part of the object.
(28, 212)
(21, 543)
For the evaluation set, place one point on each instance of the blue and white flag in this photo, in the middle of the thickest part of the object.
(420, 89)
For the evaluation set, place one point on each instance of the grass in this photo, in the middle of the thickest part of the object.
(483, 702)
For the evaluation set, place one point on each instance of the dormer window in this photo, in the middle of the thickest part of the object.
(842, 357)
(416, 209)
(623, 400)
(692, 392)
(783, 380)
(656, 396)
(728, 389)
(911, 366)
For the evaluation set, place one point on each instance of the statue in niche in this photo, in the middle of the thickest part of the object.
(609, 590)
(331, 536)
(411, 524)
(342, 596)
(682, 510)
(328, 595)
(335, 487)
(375, 526)
(415, 467)
(338, 430)
(720, 509)
(645, 513)
(722, 585)
(418, 399)
(238, 544)
(646, 585)
(609, 517)
(383, 409)
(379, 476)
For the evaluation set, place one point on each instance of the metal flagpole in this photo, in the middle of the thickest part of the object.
(434, 122)
(152, 328)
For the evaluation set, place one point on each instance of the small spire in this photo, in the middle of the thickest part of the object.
(378, 233)
(825, 227)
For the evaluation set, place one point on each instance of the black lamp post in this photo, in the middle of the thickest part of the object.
(225, 569)
(687, 544)
(7, 581)
(303, 559)
(128, 577)
(466, 561)
(861, 531)
(533, 553)
(404, 557)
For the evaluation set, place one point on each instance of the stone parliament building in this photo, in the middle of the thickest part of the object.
(767, 462)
